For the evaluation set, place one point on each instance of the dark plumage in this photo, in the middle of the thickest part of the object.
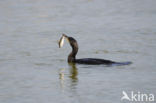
(91, 61)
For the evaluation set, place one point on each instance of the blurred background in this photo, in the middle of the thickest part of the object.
(34, 70)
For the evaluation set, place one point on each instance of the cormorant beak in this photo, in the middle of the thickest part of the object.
(64, 35)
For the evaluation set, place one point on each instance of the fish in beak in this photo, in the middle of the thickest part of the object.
(61, 42)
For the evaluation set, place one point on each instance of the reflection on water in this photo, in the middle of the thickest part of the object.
(73, 73)
(61, 73)
(61, 77)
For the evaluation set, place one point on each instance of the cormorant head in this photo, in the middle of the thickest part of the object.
(73, 44)
(71, 40)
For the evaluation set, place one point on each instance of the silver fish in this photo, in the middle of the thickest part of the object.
(61, 42)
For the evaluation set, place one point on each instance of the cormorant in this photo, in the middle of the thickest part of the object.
(91, 61)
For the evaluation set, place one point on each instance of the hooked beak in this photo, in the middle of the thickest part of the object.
(65, 35)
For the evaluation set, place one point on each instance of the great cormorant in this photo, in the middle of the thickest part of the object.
(91, 61)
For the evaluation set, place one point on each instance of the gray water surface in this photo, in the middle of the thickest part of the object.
(34, 70)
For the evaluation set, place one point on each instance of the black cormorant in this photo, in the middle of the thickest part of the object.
(91, 61)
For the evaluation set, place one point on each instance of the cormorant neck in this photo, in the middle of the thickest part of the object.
(72, 55)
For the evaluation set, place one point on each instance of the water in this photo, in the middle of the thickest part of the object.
(34, 70)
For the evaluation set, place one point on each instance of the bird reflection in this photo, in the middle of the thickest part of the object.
(73, 73)
(61, 77)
